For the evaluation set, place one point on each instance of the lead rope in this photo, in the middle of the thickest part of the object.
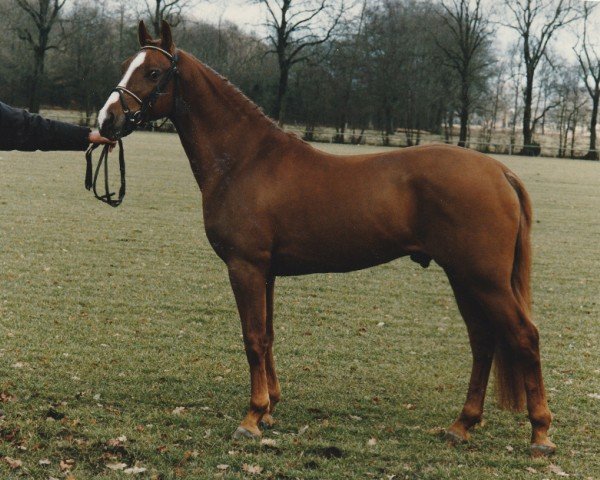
(91, 177)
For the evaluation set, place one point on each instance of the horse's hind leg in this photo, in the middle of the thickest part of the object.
(518, 364)
(272, 381)
(482, 340)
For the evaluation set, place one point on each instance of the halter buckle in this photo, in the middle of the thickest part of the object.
(137, 118)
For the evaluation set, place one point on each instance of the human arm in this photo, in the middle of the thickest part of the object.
(21, 130)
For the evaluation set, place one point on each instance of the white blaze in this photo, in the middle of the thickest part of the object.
(114, 96)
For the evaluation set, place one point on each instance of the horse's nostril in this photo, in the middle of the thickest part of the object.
(107, 124)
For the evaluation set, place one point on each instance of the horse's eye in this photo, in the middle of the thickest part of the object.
(154, 74)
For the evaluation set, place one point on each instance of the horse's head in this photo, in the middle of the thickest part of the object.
(146, 86)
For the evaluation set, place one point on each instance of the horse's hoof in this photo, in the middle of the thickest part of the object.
(267, 421)
(542, 449)
(454, 438)
(241, 433)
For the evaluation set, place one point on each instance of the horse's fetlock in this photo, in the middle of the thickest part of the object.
(275, 397)
(260, 406)
(541, 419)
(471, 414)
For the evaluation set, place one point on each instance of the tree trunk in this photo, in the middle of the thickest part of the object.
(449, 126)
(592, 153)
(464, 114)
(157, 19)
(279, 108)
(38, 72)
(528, 97)
(340, 131)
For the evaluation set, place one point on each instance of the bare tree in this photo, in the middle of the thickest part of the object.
(589, 63)
(294, 27)
(536, 22)
(570, 103)
(468, 30)
(169, 10)
(544, 89)
(44, 14)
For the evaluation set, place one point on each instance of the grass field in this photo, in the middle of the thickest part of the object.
(121, 342)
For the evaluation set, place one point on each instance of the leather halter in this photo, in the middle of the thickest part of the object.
(132, 121)
(138, 118)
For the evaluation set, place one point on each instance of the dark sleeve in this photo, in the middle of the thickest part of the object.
(21, 130)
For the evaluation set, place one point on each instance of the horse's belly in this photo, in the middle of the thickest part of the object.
(338, 258)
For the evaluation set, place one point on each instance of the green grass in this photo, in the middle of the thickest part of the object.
(110, 319)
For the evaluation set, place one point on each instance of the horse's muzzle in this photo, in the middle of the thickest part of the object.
(114, 126)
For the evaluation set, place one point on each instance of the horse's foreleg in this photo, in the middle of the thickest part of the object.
(482, 340)
(249, 286)
(272, 381)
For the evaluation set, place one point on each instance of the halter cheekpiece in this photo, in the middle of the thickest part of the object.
(133, 120)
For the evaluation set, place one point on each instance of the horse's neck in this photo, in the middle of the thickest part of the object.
(218, 126)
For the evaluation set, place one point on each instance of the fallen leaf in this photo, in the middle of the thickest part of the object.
(116, 466)
(178, 410)
(509, 448)
(67, 464)
(6, 397)
(556, 470)
(134, 470)
(269, 442)
(222, 466)
(114, 442)
(18, 365)
(594, 395)
(302, 430)
(252, 469)
(13, 462)
(372, 441)
(531, 470)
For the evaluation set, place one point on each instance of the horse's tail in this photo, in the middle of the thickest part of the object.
(521, 273)
(510, 383)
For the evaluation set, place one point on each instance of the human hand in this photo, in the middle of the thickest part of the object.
(95, 137)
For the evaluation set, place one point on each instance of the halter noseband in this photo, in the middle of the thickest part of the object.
(140, 117)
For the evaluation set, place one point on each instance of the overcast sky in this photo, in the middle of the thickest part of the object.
(251, 17)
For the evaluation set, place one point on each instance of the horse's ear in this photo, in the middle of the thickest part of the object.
(143, 36)
(166, 36)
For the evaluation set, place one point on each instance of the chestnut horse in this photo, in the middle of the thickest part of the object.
(274, 205)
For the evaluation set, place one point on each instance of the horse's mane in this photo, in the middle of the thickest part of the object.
(240, 98)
